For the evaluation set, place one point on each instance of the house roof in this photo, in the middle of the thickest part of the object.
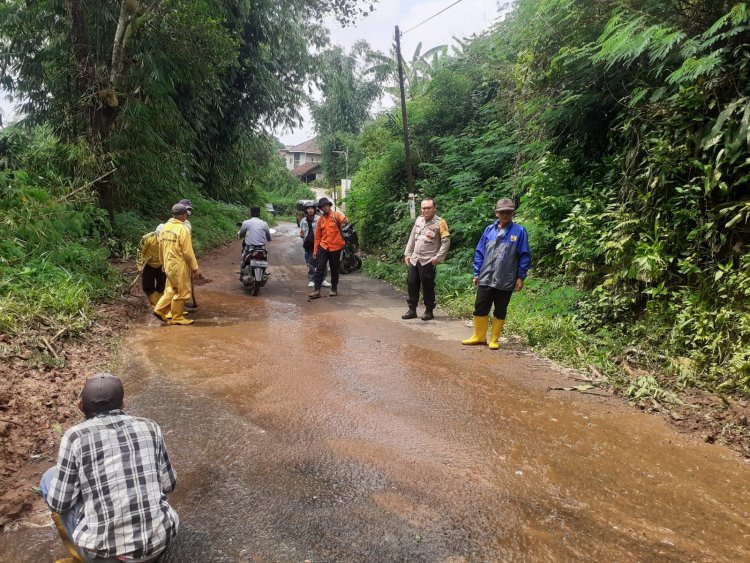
(309, 147)
(305, 168)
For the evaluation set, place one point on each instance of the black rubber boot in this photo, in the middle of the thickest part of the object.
(427, 316)
(410, 314)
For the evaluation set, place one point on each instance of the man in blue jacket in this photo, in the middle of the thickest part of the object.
(501, 261)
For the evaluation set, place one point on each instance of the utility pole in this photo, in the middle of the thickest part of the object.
(409, 173)
(346, 161)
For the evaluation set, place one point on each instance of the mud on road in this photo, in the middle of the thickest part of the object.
(332, 430)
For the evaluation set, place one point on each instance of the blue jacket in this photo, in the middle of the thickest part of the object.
(499, 262)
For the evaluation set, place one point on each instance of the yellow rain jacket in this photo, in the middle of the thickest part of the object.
(149, 252)
(178, 257)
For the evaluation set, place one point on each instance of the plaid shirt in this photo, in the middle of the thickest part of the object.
(116, 466)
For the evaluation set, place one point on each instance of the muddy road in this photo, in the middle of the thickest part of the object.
(332, 430)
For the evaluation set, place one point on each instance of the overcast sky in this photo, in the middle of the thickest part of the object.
(462, 20)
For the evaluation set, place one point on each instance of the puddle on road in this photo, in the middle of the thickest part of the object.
(365, 440)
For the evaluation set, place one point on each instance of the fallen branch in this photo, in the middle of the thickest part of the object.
(632, 350)
(58, 334)
(583, 389)
(10, 421)
(131, 284)
(88, 184)
(50, 348)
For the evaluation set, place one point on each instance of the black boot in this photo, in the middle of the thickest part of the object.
(410, 314)
(428, 316)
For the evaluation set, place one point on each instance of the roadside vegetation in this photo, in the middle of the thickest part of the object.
(622, 129)
(125, 108)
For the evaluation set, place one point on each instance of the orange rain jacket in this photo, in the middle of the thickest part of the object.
(327, 232)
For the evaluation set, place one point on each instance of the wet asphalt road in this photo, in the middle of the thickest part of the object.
(332, 430)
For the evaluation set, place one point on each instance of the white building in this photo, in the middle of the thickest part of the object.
(303, 160)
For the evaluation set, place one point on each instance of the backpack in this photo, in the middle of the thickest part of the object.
(309, 243)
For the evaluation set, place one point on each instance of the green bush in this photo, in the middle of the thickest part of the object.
(55, 239)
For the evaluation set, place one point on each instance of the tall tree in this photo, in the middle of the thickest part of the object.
(348, 90)
(192, 79)
(417, 71)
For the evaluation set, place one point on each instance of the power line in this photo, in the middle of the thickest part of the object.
(432, 16)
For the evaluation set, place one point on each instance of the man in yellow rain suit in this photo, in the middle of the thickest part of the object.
(178, 258)
(153, 278)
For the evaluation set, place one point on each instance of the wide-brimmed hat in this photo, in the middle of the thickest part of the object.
(505, 205)
(102, 392)
(324, 201)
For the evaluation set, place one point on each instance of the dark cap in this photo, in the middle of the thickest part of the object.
(103, 392)
(179, 209)
(187, 203)
(505, 205)
(324, 201)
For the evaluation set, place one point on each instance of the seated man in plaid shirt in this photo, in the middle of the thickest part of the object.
(109, 487)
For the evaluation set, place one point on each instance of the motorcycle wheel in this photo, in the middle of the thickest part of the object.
(256, 287)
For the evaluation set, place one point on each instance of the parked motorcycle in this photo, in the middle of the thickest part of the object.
(350, 260)
(253, 272)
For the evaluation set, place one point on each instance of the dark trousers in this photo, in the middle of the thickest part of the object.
(487, 296)
(333, 260)
(312, 266)
(153, 279)
(421, 277)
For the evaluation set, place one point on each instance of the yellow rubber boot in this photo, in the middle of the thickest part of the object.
(178, 313)
(480, 331)
(169, 314)
(154, 297)
(497, 328)
(162, 308)
(161, 316)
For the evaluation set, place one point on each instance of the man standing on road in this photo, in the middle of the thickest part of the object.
(253, 232)
(108, 491)
(501, 261)
(148, 262)
(428, 246)
(176, 245)
(307, 233)
(328, 246)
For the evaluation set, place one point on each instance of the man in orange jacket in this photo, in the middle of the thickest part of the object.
(328, 246)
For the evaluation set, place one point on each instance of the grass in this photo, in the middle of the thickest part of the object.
(55, 259)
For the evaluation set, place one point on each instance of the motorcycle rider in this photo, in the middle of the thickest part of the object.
(253, 232)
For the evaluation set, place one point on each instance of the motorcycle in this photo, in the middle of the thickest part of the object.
(253, 271)
(350, 260)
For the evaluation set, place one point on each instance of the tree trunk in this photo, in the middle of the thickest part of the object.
(98, 106)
